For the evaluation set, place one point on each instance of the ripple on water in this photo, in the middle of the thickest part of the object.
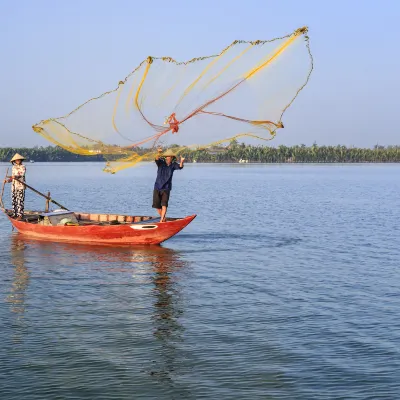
(284, 287)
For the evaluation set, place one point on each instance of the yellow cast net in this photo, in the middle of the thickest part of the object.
(242, 92)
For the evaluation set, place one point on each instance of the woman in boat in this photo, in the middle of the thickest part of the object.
(162, 188)
(17, 188)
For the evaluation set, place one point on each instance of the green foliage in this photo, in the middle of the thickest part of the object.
(236, 152)
(233, 143)
(49, 153)
(299, 154)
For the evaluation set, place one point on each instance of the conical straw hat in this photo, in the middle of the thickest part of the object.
(17, 157)
(169, 153)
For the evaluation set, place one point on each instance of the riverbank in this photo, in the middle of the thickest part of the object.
(234, 153)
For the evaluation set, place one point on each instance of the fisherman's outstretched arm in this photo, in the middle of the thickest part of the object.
(158, 155)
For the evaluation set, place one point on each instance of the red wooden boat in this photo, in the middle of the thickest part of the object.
(98, 228)
(114, 229)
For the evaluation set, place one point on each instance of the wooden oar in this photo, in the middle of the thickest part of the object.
(41, 194)
(2, 190)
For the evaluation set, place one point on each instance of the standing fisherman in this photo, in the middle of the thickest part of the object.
(163, 185)
(17, 188)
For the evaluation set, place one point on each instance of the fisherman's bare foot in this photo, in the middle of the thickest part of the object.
(18, 218)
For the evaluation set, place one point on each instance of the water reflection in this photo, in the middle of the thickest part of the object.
(66, 253)
(147, 275)
(168, 307)
(20, 281)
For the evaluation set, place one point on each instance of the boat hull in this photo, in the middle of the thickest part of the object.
(124, 234)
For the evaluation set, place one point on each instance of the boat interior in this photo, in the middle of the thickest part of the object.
(70, 218)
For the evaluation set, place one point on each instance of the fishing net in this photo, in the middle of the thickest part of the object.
(241, 92)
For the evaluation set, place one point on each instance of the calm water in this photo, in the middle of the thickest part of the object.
(286, 286)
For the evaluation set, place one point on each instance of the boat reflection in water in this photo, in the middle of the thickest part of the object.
(137, 289)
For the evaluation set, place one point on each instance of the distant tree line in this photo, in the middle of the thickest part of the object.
(49, 153)
(297, 154)
(234, 153)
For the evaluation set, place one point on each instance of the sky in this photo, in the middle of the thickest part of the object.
(57, 54)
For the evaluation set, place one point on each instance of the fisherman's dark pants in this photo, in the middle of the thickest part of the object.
(18, 202)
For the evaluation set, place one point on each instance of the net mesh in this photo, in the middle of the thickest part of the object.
(242, 92)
